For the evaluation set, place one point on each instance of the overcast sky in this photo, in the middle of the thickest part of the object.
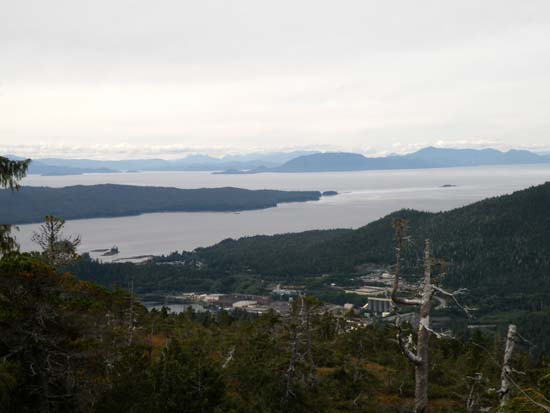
(133, 78)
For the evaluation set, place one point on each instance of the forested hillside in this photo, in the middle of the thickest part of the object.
(494, 246)
(31, 204)
(497, 248)
(152, 277)
(68, 345)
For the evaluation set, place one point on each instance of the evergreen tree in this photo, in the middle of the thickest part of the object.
(11, 172)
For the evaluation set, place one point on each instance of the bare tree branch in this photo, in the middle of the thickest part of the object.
(453, 295)
(438, 335)
(528, 397)
(229, 358)
(406, 345)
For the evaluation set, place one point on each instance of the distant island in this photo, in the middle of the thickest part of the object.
(329, 193)
(31, 204)
(425, 158)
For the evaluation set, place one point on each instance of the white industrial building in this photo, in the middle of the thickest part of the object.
(378, 305)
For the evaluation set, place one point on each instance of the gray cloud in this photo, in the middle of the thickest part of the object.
(240, 75)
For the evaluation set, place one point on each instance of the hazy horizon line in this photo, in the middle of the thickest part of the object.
(175, 152)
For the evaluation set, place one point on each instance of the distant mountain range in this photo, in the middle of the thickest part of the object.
(292, 162)
(429, 157)
(38, 167)
(60, 166)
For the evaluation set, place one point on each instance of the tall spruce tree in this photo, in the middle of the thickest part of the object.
(11, 172)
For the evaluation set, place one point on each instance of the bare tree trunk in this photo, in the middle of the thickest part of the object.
(473, 399)
(421, 368)
(418, 356)
(44, 384)
(290, 373)
(131, 321)
(291, 370)
(506, 369)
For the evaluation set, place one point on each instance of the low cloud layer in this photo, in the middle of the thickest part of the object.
(128, 151)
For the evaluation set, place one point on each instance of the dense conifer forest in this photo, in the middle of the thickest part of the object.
(70, 345)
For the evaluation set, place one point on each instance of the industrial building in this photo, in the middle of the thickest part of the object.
(379, 305)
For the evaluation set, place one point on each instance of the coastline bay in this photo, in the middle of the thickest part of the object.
(363, 197)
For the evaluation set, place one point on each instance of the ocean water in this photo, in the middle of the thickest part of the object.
(363, 197)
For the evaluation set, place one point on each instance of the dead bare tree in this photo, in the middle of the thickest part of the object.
(506, 379)
(131, 315)
(504, 391)
(473, 400)
(301, 365)
(418, 355)
(294, 356)
(57, 250)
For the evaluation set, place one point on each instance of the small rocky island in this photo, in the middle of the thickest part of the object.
(448, 186)
(329, 193)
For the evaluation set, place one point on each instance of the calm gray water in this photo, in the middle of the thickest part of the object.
(364, 197)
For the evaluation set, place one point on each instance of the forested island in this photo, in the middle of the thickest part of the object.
(31, 204)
